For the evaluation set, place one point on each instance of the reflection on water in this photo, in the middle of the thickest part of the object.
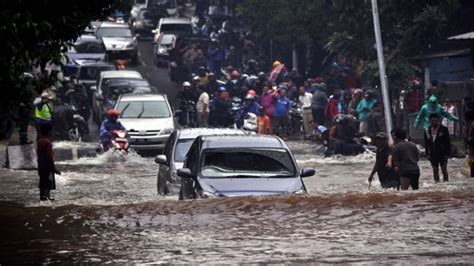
(107, 211)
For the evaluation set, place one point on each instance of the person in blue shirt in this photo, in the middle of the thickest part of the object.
(280, 120)
(250, 106)
(108, 125)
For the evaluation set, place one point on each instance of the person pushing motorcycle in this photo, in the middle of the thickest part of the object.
(108, 125)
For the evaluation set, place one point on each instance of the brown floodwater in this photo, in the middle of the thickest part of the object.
(108, 212)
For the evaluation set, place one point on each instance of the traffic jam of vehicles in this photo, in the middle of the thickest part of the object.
(242, 131)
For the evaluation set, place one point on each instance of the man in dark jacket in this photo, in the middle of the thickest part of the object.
(320, 101)
(438, 146)
(375, 121)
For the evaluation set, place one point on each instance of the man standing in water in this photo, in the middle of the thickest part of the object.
(438, 147)
(383, 163)
(46, 166)
(405, 157)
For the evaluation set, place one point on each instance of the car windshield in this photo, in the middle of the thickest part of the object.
(113, 32)
(92, 72)
(143, 109)
(182, 148)
(114, 91)
(88, 48)
(167, 39)
(247, 163)
(176, 27)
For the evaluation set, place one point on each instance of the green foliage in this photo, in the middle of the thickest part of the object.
(34, 31)
(346, 27)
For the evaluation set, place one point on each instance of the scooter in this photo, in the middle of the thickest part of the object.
(79, 127)
(296, 119)
(120, 141)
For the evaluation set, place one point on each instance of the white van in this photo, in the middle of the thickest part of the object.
(173, 25)
(170, 5)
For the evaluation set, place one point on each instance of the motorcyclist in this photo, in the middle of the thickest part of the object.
(110, 124)
(342, 136)
(250, 106)
(187, 97)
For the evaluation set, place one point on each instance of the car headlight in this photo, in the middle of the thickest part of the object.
(300, 191)
(162, 50)
(132, 45)
(166, 131)
(208, 195)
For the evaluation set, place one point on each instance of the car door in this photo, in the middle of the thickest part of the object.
(165, 169)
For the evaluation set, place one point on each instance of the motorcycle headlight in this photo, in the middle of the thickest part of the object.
(208, 195)
(166, 131)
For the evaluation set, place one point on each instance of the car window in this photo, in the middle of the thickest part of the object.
(113, 32)
(143, 109)
(182, 148)
(235, 163)
(92, 73)
(89, 48)
(176, 27)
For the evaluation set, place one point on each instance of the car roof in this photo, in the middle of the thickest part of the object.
(88, 38)
(242, 141)
(192, 133)
(143, 97)
(112, 25)
(121, 74)
(97, 64)
(175, 21)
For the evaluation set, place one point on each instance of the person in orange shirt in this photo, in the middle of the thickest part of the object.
(264, 124)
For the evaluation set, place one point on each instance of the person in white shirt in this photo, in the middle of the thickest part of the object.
(202, 108)
(305, 99)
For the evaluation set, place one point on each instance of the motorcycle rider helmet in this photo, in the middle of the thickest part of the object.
(251, 92)
(113, 114)
(186, 84)
(276, 63)
(370, 94)
(222, 89)
(235, 74)
(262, 76)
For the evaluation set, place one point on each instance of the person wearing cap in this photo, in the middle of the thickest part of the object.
(383, 163)
(432, 107)
(364, 108)
(43, 112)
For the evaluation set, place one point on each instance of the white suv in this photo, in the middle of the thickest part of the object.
(148, 119)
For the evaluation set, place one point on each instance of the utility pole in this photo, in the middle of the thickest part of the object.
(383, 76)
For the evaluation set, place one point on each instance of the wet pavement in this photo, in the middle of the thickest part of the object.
(107, 211)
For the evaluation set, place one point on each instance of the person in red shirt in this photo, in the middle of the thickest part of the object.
(46, 166)
(332, 109)
(263, 122)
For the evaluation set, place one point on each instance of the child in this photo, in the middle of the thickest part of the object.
(263, 121)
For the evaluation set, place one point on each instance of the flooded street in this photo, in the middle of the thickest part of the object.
(108, 211)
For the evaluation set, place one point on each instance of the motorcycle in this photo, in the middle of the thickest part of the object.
(296, 119)
(250, 122)
(79, 127)
(120, 142)
(187, 114)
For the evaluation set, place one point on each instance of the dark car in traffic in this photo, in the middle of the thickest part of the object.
(249, 165)
(175, 151)
(86, 49)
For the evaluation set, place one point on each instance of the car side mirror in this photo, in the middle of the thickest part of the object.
(160, 159)
(307, 171)
(137, 36)
(100, 98)
(185, 173)
(154, 31)
(93, 88)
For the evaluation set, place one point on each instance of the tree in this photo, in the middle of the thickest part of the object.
(35, 31)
